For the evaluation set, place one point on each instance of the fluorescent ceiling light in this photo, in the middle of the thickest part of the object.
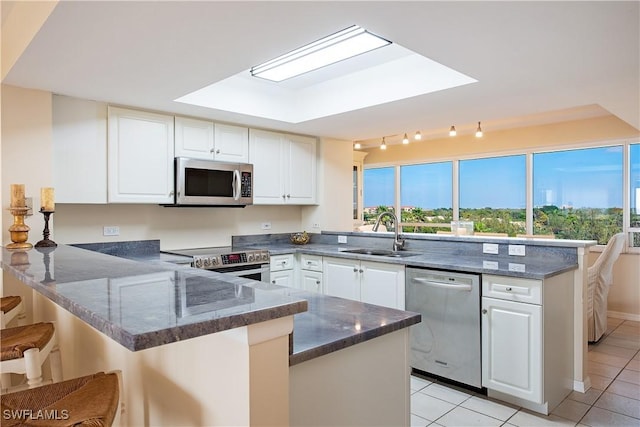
(342, 45)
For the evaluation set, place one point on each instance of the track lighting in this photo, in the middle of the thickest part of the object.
(452, 131)
(383, 145)
(357, 146)
(405, 140)
(479, 131)
(417, 136)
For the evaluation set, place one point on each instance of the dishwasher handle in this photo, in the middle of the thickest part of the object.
(442, 285)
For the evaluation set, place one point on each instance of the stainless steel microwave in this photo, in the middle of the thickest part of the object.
(212, 183)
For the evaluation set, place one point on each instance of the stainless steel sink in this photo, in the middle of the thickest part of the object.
(380, 252)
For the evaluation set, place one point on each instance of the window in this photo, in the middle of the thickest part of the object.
(577, 194)
(493, 194)
(379, 192)
(634, 190)
(426, 197)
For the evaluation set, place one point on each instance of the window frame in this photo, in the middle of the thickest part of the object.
(528, 153)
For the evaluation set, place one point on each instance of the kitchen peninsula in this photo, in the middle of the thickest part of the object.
(201, 348)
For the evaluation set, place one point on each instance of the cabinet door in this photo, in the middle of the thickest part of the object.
(194, 138)
(341, 278)
(79, 150)
(283, 278)
(383, 284)
(311, 281)
(512, 348)
(231, 143)
(265, 154)
(140, 157)
(300, 181)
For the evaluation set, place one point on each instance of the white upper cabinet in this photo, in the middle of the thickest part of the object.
(202, 139)
(140, 157)
(284, 168)
(194, 138)
(79, 150)
(231, 143)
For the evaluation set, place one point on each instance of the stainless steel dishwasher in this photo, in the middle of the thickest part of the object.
(447, 341)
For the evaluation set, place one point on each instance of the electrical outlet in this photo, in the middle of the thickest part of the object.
(111, 230)
(266, 226)
(490, 265)
(490, 248)
(316, 225)
(342, 239)
(514, 266)
(517, 250)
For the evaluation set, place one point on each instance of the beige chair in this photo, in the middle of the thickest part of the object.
(599, 280)
(90, 401)
(24, 349)
(11, 307)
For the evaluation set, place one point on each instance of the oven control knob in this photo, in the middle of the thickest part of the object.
(207, 262)
(198, 263)
(265, 257)
(214, 261)
(250, 257)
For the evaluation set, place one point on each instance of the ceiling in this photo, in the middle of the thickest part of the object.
(535, 62)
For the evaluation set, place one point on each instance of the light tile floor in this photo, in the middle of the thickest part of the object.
(613, 400)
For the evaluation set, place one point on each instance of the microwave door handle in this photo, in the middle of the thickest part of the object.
(236, 184)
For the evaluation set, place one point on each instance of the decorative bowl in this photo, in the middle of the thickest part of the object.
(300, 238)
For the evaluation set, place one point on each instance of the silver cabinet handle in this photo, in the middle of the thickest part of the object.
(484, 311)
(355, 269)
(361, 271)
(317, 282)
(273, 281)
(288, 196)
(218, 151)
(509, 289)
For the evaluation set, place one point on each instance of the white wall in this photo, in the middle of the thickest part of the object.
(26, 152)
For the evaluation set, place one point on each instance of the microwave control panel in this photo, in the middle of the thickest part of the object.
(245, 184)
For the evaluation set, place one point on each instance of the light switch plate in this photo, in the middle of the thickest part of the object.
(514, 266)
(517, 250)
(342, 239)
(490, 248)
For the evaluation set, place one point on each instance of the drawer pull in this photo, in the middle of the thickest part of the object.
(509, 289)
(484, 311)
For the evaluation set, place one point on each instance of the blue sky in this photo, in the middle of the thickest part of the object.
(578, 178)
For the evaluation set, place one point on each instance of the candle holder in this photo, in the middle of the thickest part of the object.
(19, 231)
(46, 243)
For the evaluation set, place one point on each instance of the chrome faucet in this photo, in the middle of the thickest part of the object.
(398, 243)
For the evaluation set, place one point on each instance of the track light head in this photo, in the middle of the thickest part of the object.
(452, 131)
(479, 131)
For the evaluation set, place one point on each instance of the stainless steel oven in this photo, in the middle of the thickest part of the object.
(248, 263)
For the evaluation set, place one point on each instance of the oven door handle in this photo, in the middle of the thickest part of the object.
(239, 273)
(434, 284)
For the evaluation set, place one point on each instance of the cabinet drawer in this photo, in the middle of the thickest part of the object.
(281, 262)
(512, 288)
(310, 262)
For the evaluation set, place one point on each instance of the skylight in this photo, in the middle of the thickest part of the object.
(372, 78)
(339, 46)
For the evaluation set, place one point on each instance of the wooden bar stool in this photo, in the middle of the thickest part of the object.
(11, 308)
(91, 400)
(24, 350)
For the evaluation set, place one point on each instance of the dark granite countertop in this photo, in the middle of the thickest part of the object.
(143, 298)
(538, 267)
(143, 304)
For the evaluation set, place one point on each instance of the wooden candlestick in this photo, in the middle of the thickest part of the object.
(19, 231)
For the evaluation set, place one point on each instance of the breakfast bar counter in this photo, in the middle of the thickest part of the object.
(185, 337)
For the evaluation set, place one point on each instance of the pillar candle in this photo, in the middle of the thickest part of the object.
(17, 195)
(46, 199)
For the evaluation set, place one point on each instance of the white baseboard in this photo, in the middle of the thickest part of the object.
(624, 316)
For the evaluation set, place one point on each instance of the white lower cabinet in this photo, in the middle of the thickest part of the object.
(512, 348)
(282, 270)
(527, 340)
(310, 273)
(371, 282)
